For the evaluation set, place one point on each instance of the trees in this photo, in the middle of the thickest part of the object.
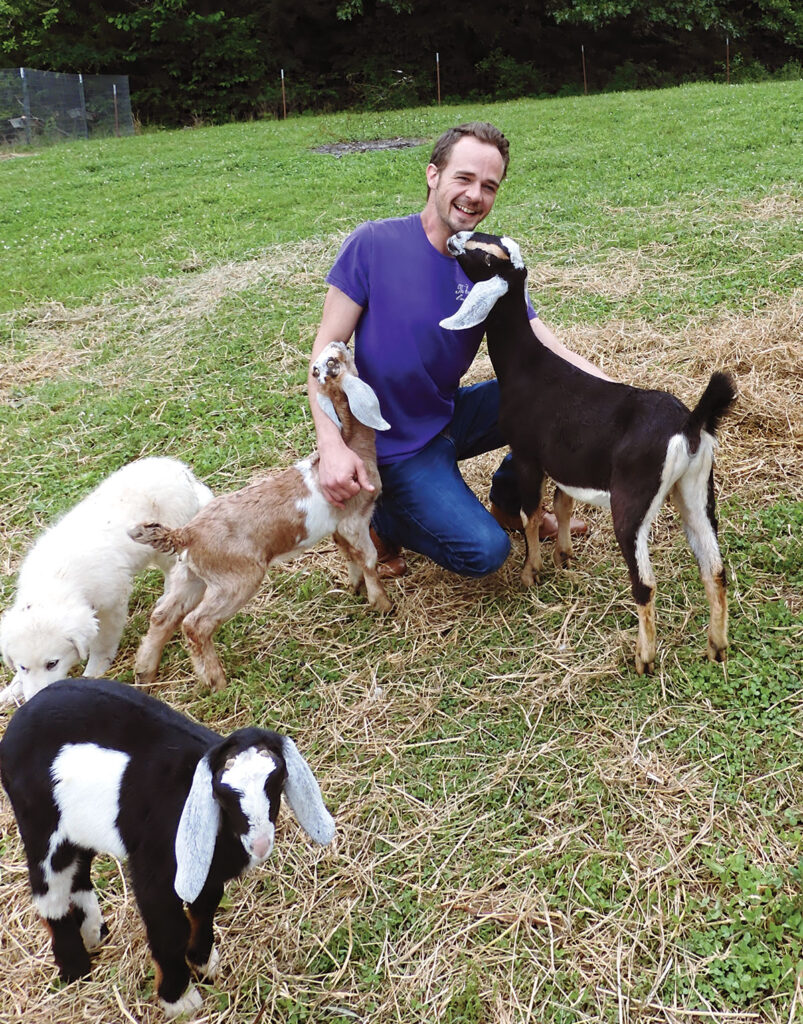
(206, 59)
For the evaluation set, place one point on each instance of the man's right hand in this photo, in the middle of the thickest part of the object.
(342, 474)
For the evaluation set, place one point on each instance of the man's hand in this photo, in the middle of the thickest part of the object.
(342, 474)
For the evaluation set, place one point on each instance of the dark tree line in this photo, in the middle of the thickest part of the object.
(206, 59)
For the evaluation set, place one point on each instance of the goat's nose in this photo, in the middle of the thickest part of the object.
(262, 846)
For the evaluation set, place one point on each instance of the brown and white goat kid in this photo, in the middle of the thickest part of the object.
(229, 546)
(601, 442)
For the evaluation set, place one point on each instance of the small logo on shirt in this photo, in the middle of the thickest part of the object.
(461, 292)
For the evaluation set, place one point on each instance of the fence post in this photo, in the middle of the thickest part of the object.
(585, 80)
(82, 97)
(116, 112)
(284, 99)
(26, 107)
(438, 75)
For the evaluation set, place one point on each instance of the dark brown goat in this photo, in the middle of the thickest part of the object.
(602, 442)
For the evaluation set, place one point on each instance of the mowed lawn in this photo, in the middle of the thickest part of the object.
(528, 831)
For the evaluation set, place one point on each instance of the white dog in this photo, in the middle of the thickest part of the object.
(74, 584)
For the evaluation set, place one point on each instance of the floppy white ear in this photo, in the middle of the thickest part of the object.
(477, 304)
(325, 402)
(196, 834)
(363, 402)
(304, 796)
(81, 629)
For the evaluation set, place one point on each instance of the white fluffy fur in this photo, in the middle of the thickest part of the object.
(74, 585)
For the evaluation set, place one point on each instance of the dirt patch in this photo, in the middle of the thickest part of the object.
(339, 149)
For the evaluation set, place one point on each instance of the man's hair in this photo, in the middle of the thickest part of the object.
(482, 130)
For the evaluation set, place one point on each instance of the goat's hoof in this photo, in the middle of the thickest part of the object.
(211, 968)
(561, 558)
(190, 1001)
(717, 653)
(645, 667)
(144, 678)
(531, 574)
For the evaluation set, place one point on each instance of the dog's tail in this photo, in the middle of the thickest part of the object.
(715, 401)
(163, 538)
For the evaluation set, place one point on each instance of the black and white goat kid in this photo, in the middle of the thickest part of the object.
(601, 442)
(97, 766)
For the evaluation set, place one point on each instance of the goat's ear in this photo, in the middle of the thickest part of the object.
(303, 794)
(196, 834)
(325, 402)
(363, 402)
(477, 304)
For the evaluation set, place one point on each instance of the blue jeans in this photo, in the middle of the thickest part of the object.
(426, 505)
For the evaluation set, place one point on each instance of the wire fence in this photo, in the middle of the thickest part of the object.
(39, 107)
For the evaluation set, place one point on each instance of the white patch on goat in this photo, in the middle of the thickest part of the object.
(514, 252)
(675, 465)
(248, 775)
(587, 494)
(55, 903)
(191, 1000)
(693, 487)
(319, 516)
(86, 789)
(93, 919)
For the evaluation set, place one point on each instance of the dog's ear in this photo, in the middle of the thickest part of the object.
(80, 627)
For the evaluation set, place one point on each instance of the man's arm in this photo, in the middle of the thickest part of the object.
(546, 337)
(341, 472)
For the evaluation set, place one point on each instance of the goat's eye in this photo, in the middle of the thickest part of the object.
(331, 362)
(23, 668)
(50, 665)
(487, 259)
(316, 372)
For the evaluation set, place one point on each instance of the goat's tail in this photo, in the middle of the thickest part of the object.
(160, 537)
(714, 403)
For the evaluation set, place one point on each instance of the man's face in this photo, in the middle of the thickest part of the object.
(463, 191)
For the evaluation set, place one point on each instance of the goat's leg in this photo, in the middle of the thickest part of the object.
(168, 936)
(563, 505)
(353, 538)
(183, 592)
(201, 953)
(85, 903)
(695, 501)
(531, 494)
(52, 890)
(223, 598)
(631, 524)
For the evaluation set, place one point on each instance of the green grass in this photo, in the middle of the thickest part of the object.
(528, 831)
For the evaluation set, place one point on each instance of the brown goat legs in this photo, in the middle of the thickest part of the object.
(354, 540)
(697, 507)
(562, 504)
(183, 592)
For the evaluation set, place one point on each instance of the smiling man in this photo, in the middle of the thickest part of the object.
(392, 283)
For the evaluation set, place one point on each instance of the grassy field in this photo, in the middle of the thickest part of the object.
(527, 830)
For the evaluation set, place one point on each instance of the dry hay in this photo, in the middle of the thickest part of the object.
(400, 845)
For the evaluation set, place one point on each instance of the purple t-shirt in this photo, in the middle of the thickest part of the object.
(406, 287)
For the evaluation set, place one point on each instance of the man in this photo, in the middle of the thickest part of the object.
(392, 283)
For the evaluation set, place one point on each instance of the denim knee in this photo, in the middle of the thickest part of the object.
(487, 552)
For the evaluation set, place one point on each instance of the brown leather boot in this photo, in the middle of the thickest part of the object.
(549, 525)
(390, 562)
